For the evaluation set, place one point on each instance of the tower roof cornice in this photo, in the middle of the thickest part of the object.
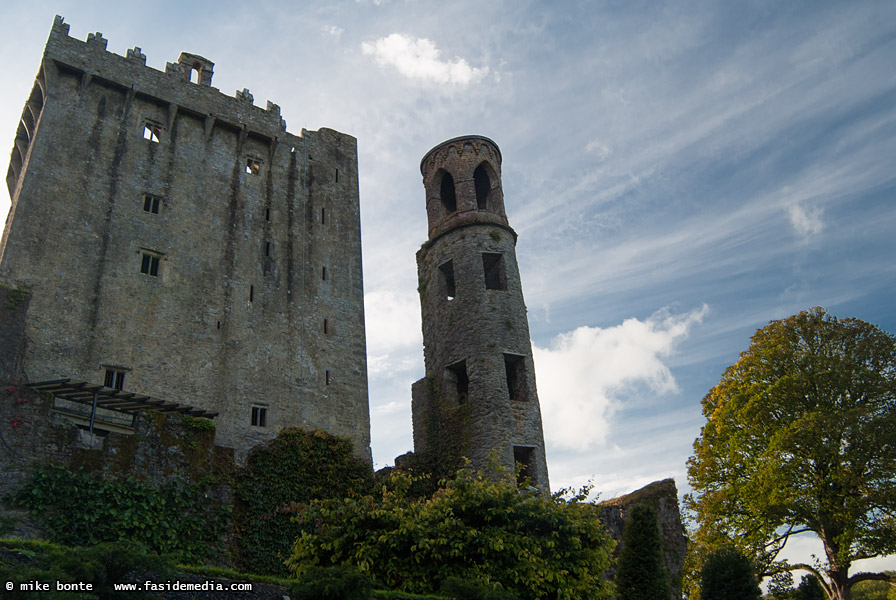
(459, 139)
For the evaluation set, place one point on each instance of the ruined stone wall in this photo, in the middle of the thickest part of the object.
(186, 239)
(662, 496)
(479, 394)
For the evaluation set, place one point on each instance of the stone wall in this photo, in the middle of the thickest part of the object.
(662, 496)
(183, 238)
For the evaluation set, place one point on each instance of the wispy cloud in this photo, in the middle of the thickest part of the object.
(581, 373)
(333, 30)
(419, 58)
(806, 221)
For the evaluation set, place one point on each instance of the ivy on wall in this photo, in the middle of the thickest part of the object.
(290, 470)
(77, 509)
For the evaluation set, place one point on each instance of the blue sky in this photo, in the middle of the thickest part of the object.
(679, 174)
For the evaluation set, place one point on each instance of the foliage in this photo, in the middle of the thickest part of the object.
(333, 583)
(801, 437)
(294, 468)
(874, 590)
(77, 509)
(810, 589)
(466, 589)
(476, 528)
(728, 575)
(640, 574)
(198, 423)
(98, 566)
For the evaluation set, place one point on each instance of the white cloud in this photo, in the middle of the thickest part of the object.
(806, 222)
(418, 58)
(582, 372)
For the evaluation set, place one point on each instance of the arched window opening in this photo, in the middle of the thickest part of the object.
(446, 192)
(483, 187)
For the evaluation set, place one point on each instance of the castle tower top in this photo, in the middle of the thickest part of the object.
(462, 177)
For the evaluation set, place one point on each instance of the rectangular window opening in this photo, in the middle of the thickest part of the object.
(251, 293)
(524, 459)
(446, 272)
(259, 416)
(323, 216)
(151, 204)
(114, 379)
(458, 381)
(515, 369)
(327, 377)
(323, 274)
(325, 327)
(152, 132)
(337, 175)
(267, 248)
(495, 276)
(253, 166)
(149, 264)
(267, 214)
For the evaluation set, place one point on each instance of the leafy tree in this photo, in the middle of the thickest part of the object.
(809, 589)
(801, 437)
(728, 575)
(478, 528)
(640, 575)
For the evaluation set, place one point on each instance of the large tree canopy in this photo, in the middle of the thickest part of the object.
(801, 437)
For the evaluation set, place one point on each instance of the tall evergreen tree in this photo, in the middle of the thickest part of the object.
(728, 575)
(641, 575)
(810, 589)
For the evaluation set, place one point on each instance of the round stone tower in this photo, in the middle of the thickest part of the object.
(478, 396)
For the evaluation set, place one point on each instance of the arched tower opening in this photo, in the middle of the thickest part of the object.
(447, 193)
(483, 185)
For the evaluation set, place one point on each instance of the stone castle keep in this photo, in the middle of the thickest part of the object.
(181, 246)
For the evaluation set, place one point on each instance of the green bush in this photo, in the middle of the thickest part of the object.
(476, 528)
(81, 510)
(728, 575)
(640, 575)
(292, 469)
(465, 589)
(333, 583)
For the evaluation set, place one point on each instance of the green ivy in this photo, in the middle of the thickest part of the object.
(290, 470)
(77, 509)
(198, 423)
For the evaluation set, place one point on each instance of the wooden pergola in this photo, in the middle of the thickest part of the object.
(98, 396)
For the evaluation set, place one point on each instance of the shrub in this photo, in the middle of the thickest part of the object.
(728, 575)
(476, 528)
(333, 583)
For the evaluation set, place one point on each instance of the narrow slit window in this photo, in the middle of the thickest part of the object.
(259, 416)
(267, 248)
(251, 293)
(267, 214)
(149, 264)
(323, 273)
(152, 132)
(495, 276)
(458, 381)
(337, 175)
(323, 216)
(253, 166)
(515, 370)
(327, 377)
(446, 272)
(114, 379)
(325, 327)
(151, 204)
(219, 324)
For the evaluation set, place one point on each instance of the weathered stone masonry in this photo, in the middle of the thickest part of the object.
(185, 242)
(479, 393)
